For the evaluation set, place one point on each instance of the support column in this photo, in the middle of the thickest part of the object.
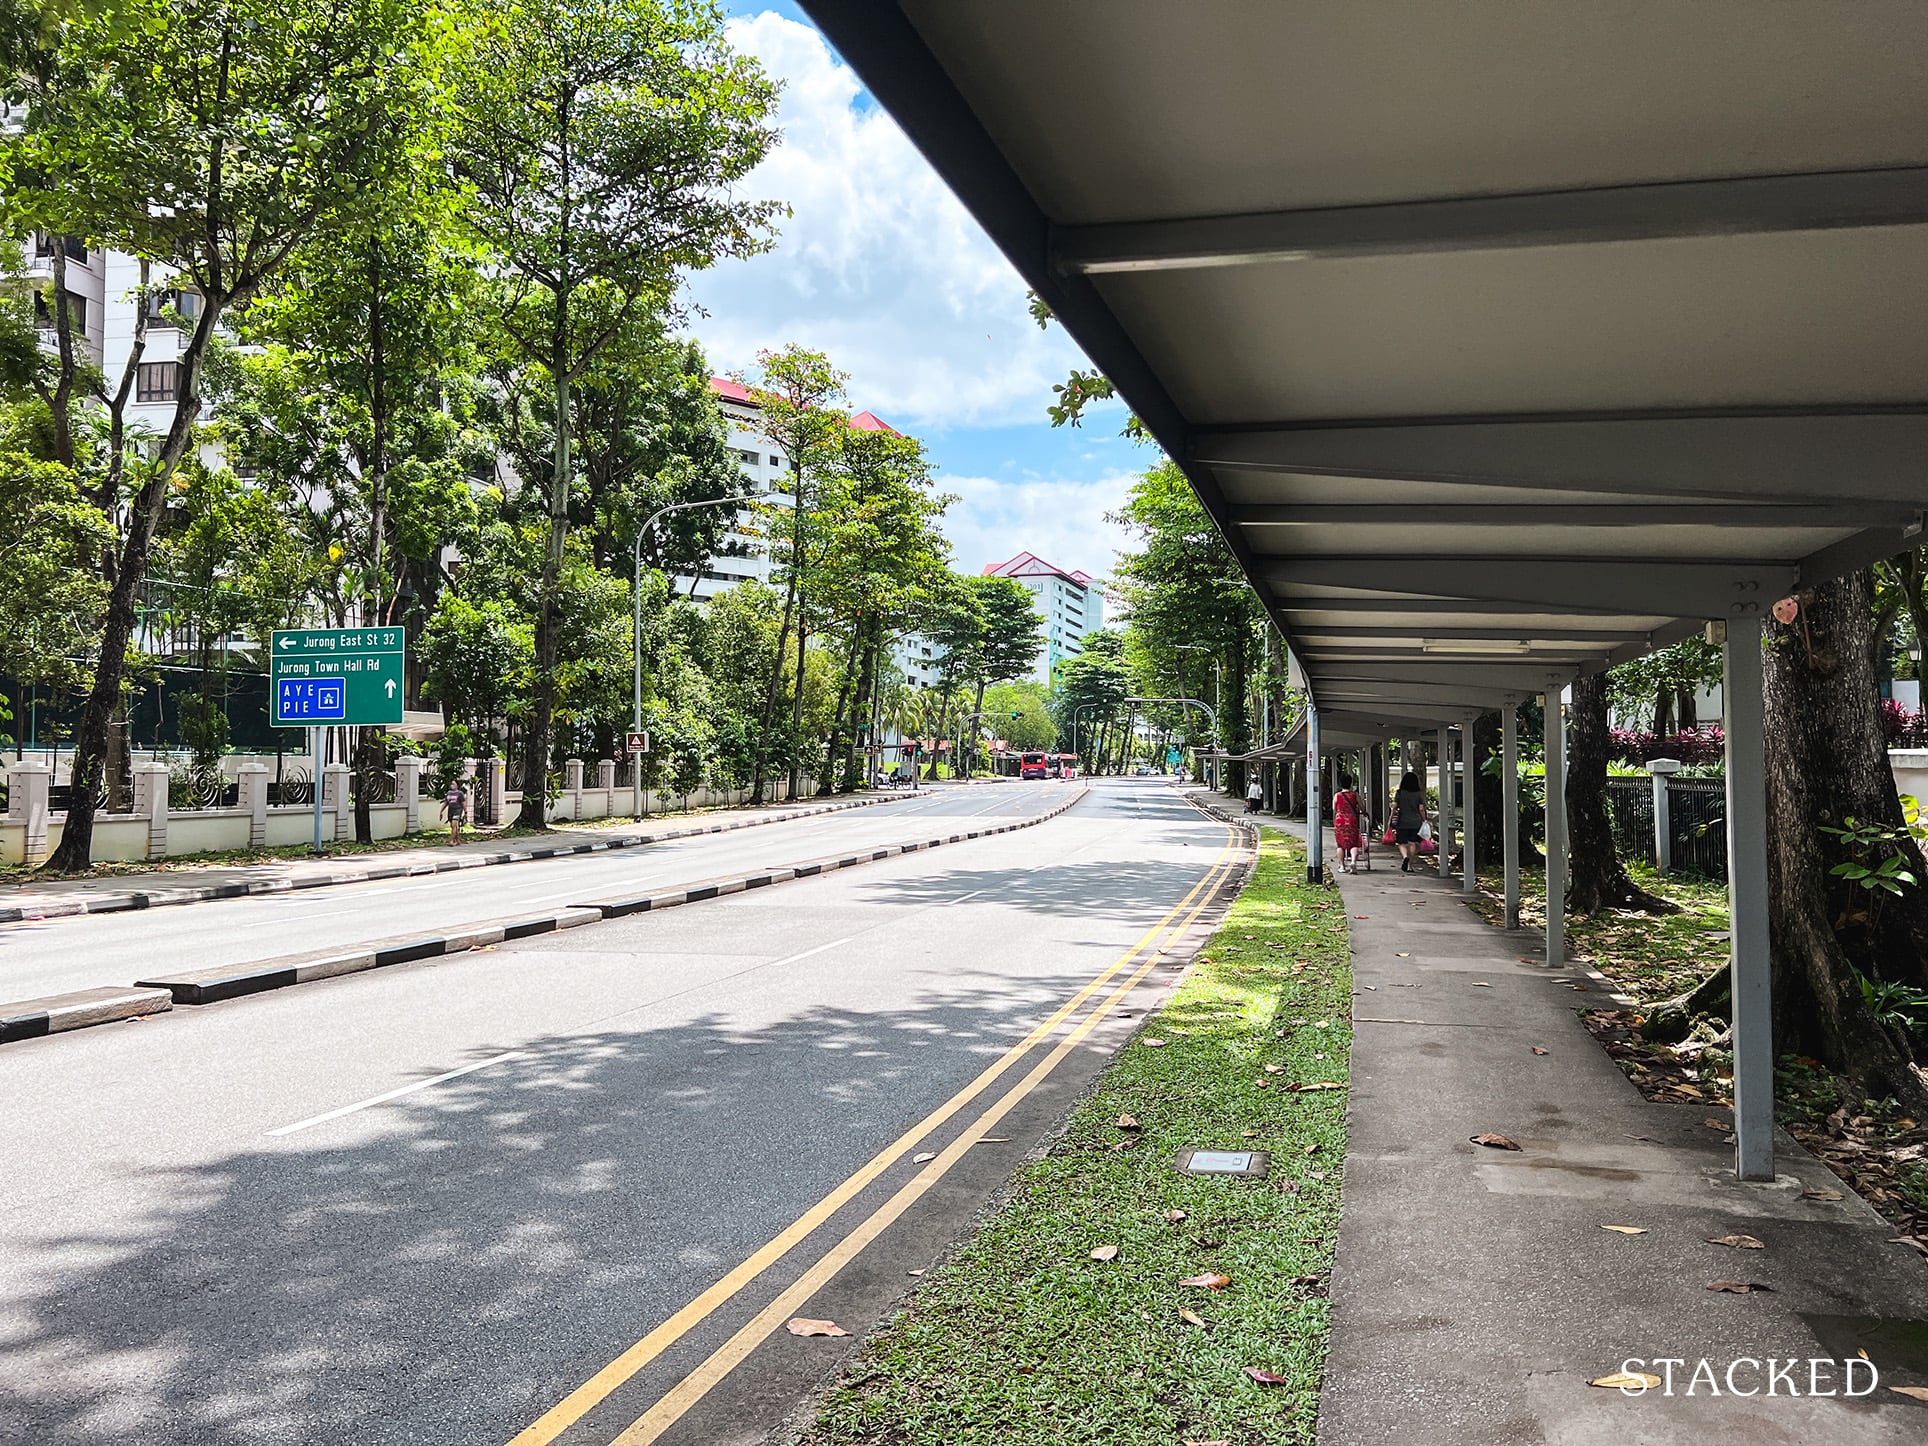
(1445, 838)
(1556, 836)
(1314, 796)
(1663, 769)
(1747, 899)
(252, 794)
(150, 802)
(1510, 808)
(1469, 858)
(28, 789)
(408, 790)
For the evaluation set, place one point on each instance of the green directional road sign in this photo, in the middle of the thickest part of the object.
(336, 675)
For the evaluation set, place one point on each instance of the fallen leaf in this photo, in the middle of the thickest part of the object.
(1128, 1122)
(1175, 1215)
(924, 1158)
(1192, 1317)
(993, 1140)
(1249, 1134)
(804, 1326)
(1715, 1124)
(1265, 1377)
(1105, 1252)
(1373, 987)
(1627, 1381)
(1820, 1194)
(1739, 1287)
(1736, 1242)
(1322, 1024)
(1324, 1084)
(1919, 1393)
(1275, 1069)
(1494, 1142)
(1152, 1043)
(1313, 1148)
(1210, 1280)
(1362, 916)
(1539, 1049)
(1316, 1174)
(913, 1272)
(1477, 984)
(1626, 1229)
(1401, 954)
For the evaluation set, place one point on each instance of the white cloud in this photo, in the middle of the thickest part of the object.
(878, 266)
(1061, 521)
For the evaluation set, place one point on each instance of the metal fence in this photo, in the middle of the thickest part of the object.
(1696, 817)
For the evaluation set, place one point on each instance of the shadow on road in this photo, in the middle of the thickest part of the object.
(439, 1270)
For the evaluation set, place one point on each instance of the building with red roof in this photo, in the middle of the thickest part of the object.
(1071, 604)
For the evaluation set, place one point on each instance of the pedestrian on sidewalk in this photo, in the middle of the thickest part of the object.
(1254, 795)
(1348, 834)
(1408, 814)
(455, 808)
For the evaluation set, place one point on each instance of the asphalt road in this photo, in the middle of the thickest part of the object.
(51, 956)
(541, 1192)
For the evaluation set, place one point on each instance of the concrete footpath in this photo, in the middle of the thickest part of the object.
(1477, 1291)
(189, 883)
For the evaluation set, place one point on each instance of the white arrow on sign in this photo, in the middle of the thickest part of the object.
(287, 642)
(391, 687)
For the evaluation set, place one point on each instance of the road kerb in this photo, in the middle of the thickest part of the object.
(57, 1013)
(166, 898)
(212, 986)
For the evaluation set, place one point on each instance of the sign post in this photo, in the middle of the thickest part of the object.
(346, 676)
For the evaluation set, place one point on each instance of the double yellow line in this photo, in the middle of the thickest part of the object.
(693, 1387)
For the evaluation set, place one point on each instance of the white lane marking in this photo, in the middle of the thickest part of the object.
(962, 897)
(395, 1094)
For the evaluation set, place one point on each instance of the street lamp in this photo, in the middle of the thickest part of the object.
(1210, 712)
(1075, 712)
(636, 639)
(972, 718)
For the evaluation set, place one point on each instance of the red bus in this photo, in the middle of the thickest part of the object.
(1032, 765)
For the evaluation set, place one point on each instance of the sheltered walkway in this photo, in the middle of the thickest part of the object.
(1476, 1293)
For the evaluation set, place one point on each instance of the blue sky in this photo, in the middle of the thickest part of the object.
(879, 267)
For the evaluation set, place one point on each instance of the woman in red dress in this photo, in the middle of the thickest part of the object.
(1346, 830)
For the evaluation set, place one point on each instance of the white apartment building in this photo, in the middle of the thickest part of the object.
(1071, 604)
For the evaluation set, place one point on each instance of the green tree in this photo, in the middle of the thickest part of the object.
(600, 143)
(799, 409)
(209, 137)
(1033, 729)
(1088, 694)
(1013, 638)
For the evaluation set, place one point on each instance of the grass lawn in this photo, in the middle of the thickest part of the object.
(1022, 1336)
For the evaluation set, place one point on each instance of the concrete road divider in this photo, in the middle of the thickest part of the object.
(52, 905)
(210, 986)
(56, 1013)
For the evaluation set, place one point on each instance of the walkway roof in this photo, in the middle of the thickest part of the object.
(1503, 342)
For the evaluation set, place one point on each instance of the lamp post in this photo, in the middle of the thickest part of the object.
(636, 637)
(972, 718)
(1075, 713)
(1210, 712)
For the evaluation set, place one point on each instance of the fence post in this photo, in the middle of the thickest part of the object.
(495, 778)
(28, 788)
(1662, 770)
(572, 785)
(335, 800)
(150, 802)
(408, 790)
(251, 780)
(606, 778)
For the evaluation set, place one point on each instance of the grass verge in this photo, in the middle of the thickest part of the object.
(1022, 1336)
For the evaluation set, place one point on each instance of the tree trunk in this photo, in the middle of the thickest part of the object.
(1826, 762)
(1596, 881)
(75, 853)
(849, 693)
(535, 742)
